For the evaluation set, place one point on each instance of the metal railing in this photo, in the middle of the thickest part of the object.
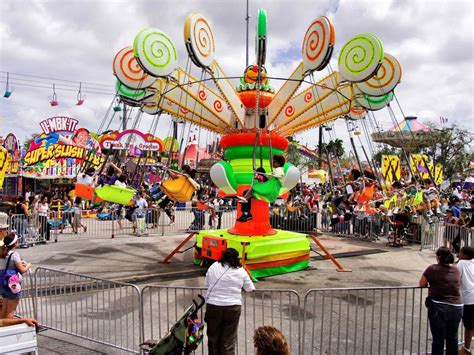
(163, 305)
(365, 320)
(103, 311)
(438, 233)
(371, 320)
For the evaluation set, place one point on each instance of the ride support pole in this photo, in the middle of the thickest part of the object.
(328, 255)
(167, 259)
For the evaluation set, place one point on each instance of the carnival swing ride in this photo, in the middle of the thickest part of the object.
(252, 120)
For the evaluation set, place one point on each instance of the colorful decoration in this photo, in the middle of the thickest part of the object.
(361, 57)
(131, 140)
(387, 78)
(155, 52)
(391, 168)
(199, 40)
(128, 71)
(61, 150)
(318, 44)
(5, 159)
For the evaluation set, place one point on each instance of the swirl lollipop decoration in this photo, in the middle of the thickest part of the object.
(318, 44)
(374, 103)
(199, 40)
(155, 52)
(357, 113)
(129, 93)
(387, 78)
(361, 57)
(128, 71)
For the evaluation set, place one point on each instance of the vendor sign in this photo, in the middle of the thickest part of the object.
(62, 150)
(132, 140)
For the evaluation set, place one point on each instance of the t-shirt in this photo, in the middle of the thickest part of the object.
(466, 267)
(141, 203)
(456, 211)
(445, 282)
(13, 260)
(120, 183)
(224, 285)
(85, 179)
(279, 173)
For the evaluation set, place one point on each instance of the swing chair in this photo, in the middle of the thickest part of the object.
(116, 194)
(54, 99)
(8, 91)
(180, 189)
(86, 192)
(80, 97)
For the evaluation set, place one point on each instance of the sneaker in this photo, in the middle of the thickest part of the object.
(464, 351)
(244, 218)
(242, 199)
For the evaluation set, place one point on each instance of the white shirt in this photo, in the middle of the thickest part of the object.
(141, 203)
(279, 173)
(466, 267)
(120, 183)
(85, 179)
(224, 285)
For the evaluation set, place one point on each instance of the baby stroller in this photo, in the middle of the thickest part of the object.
(183, 338)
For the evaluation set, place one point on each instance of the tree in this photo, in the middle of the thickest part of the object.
(452, 149)
(293, 154)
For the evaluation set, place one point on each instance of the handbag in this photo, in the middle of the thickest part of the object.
(10, 278)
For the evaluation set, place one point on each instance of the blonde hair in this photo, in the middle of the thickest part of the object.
(269, 340)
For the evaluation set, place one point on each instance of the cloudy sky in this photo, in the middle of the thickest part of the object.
(74, 41)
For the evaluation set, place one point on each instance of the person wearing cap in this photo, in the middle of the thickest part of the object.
(3, 225)
(455, 207)
(10, 259)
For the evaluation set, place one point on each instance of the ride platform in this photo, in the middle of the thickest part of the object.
(268, 255)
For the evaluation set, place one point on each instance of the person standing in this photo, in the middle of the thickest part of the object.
(466, 267)
(43, 210)
(11, 260)
(225, 280)
(444, 302)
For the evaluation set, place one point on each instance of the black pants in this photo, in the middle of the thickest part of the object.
(45, 229)
(222, 323)
(444, 323)
(247, 206)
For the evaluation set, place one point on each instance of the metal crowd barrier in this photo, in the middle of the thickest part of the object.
(27, 307)
(437, 234)
(390, 320)
(370, 320)
(163, 305)
(98, 310)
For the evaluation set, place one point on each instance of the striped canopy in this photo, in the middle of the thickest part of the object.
(411, 124)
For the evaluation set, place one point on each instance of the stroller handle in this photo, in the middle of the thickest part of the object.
(198, 306)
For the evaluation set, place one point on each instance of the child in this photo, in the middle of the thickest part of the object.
(278, 174)
(10, 259)
(466, 267)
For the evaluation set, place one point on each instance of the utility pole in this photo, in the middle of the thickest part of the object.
(124, 117)
(247, 18)
(320, 147)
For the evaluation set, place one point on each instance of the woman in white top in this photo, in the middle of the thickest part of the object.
(225, 280)
(43, 209)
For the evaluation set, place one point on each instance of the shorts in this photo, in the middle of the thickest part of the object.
(468, 316)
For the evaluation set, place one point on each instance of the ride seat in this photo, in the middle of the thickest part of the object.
(180, 189)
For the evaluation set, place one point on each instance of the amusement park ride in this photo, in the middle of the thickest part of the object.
(253, 119)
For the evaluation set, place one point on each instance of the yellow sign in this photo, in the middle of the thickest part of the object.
(5, 159)
(58, 151)
(391, 168)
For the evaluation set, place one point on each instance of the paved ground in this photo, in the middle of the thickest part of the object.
(136, 259)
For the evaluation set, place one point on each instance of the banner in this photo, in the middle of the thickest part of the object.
(12, 145)
(391, 168)
(62, 150)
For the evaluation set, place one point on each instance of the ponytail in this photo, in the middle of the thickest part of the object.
(445, 256)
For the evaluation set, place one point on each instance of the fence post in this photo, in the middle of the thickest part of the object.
(113, 223)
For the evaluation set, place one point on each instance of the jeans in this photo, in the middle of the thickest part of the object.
(444, 323)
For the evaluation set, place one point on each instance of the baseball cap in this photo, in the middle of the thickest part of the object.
(4, 221)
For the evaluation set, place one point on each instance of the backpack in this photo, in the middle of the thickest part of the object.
(10, 278)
